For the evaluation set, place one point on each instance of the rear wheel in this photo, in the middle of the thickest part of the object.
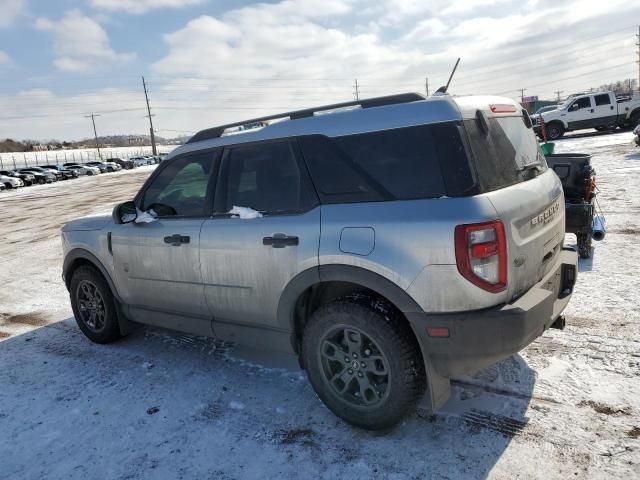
(93, 305)
(363, 362)
(555, 131)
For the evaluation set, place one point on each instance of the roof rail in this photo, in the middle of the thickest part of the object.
(216, 132)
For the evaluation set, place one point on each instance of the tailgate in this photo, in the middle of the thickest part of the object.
(534, 219)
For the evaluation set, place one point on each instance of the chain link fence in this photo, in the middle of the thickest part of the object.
(12, 161)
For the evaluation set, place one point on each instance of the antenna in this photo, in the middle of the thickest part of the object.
(443, 89)
(451, 76)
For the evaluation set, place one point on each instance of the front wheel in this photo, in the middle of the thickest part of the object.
(555, 131)
(363, 362)
(94, 306)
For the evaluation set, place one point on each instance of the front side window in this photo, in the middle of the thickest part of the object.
(181, 188)
(584, 102)
(265, 177)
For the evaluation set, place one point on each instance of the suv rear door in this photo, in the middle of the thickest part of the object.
(605, 110)
(157, 264)
(247, 262)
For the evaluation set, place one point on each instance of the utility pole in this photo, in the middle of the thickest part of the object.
(426, 85)
(558, 92)
(95, 133)
(153, 137)
(356, 92)
(522, 90)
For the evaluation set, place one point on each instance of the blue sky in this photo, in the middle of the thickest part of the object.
(209, 61)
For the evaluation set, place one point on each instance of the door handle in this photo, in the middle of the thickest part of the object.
(176, 239)
(280, 240)
(611, 107)
(592, 110)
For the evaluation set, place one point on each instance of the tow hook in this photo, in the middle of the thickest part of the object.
(559, 323)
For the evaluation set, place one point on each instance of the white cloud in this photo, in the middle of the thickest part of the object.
(269, 57)
(142, 6)
(80, 43)
(4, 58)
(9, 11)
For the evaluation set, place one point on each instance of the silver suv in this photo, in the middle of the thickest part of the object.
(390, 244)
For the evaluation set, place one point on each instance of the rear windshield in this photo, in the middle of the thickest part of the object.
(426, 161)
(503, 154)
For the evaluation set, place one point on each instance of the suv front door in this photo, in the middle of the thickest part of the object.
(157, 264)
(247, 262)
(580, 114)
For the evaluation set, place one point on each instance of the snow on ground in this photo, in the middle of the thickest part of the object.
(166, 405)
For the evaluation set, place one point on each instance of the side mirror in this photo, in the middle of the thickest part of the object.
(124, 213)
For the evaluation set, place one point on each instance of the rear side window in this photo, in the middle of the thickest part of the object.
(266, 177)
(503, 153)
(399, 164)
(602, 99)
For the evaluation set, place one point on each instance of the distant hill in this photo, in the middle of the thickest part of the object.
(9, 145)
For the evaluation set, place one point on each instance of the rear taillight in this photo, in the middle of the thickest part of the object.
(481, 254)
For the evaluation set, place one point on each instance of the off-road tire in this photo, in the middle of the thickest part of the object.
(382, 326)
(584, 245)
(554, 130)
(110, 330)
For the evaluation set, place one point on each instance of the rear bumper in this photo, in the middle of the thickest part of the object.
(480, 338)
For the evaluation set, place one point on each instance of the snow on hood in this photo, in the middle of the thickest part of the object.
(87, 223)
(244, 212)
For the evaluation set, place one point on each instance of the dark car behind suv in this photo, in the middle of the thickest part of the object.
(41, 175)
(60, 172)
(125, 164)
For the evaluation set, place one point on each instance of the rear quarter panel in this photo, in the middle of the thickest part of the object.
(413, 247)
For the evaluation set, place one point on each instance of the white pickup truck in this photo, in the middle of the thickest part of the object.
(601, 110)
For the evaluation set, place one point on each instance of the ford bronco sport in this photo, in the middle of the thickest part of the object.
(392, 243)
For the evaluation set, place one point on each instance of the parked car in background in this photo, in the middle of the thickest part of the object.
(55, 171)
(99, 165)
(82, 169)
(112, 166)
(125, 164)
(391, 247)
(27, 178)
(601, 110)
(548, 108)
(42, 175)
(140, 161)
(11, 182)
(65, 173)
